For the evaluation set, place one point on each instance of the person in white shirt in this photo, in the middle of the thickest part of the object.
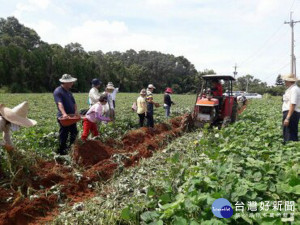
(291, 108)
(94, 94)
(109, 109)
(114, 95)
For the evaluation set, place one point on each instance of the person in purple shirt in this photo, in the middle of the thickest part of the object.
(66, 104)
(94, 114)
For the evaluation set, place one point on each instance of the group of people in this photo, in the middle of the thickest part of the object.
(102, 108)
(145, 105)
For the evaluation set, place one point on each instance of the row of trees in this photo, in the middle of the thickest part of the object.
(250, 84)
(27, 64)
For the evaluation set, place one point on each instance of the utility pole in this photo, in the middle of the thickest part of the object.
(293, 58)
(234, 72)
(247, 84)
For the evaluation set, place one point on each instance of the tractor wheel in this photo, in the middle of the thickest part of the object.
(234, 112)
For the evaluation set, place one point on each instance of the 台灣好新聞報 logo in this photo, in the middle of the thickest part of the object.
(222, 208)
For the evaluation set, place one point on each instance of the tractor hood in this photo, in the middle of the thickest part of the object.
(207, 102)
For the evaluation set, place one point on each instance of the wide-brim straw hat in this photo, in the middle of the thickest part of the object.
(17, 115)
(289, 77)
(110, 85)
(67, 78)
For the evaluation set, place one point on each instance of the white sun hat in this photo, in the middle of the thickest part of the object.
(67, 78)
(17, 115)
(151, 86)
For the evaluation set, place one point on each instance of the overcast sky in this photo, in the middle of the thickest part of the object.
(211, 34)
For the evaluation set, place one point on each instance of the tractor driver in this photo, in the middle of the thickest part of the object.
(217, 88)
(217, 92)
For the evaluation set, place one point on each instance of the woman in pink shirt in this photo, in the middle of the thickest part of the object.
(94, 114)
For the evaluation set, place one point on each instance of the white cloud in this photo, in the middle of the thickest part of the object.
(266, 7)
(46, 30)
(94, 35)
(30, 6)
(39, 4)
(159, 2)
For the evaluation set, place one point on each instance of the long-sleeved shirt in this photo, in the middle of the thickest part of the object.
(217, 90)
(114, 93)
(5, 128)
(167, 99)
(109, 105)
(94, 96)
(95, 113)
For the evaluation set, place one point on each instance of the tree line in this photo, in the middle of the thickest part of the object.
(28, 64)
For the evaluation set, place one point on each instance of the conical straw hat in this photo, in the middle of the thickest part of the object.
(17, 115)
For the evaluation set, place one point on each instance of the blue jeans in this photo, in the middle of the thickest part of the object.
(150, 120)
(65, 133)
(167, 111)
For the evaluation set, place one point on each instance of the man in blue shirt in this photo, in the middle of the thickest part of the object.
(66, 105)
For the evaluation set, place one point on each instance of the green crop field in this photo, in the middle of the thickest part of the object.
(245, 163)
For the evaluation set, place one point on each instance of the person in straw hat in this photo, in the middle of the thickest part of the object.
(12, 119)
(66, 105)
(150, 103)
(109, 109)
(291, 108)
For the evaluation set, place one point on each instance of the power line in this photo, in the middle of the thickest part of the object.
(265, 43)
(292, 5)
(287, 64)
(263, 46)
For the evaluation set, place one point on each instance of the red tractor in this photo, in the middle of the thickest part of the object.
(215, 110)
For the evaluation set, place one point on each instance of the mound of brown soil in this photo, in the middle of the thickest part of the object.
(162, 127)
(103, 170)
(133, 138)
(26, 210)
(90, 153)
(176, 121)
